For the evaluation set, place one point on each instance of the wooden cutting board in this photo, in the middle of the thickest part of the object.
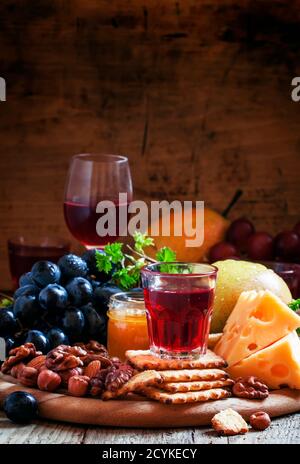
(148, 414)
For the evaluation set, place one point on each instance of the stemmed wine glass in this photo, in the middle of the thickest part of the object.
(95, 178)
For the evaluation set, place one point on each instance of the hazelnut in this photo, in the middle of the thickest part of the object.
(15, 370)
(78, 385)
(260, 420)
(67, 374)
(48, 380)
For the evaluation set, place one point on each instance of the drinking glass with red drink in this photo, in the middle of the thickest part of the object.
(24, 251)
(179, 300)
(93, 178)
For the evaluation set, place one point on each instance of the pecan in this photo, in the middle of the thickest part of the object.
(117, 377)
(16, 355)
(60, 359)
(250, 388)
(28, 376)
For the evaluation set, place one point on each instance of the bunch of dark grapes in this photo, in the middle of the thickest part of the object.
(242, 240)
(58, 304)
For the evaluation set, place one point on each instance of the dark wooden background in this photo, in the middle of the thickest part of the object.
(196, 93)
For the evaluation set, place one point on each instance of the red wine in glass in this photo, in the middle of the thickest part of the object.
(82, 220)
(179, 320)
(92, 179)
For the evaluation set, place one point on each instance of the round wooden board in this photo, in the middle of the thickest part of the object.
(145, 413)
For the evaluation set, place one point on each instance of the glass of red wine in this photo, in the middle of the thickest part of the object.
(179, 300)
(24, 251)
(95, 178)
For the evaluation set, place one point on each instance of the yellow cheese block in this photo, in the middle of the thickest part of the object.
(277, 365)
(257, 320)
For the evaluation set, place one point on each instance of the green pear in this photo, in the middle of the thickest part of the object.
(235, 277)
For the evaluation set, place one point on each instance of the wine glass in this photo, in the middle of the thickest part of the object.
(95, 178)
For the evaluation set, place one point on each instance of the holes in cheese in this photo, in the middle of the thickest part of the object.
(275, 365)
(252, 347)
(257, 320)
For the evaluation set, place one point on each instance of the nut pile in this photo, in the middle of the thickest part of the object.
(82, 369)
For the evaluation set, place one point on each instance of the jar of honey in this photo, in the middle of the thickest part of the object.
(127, 324)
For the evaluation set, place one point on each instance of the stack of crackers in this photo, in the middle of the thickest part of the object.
(175, 381)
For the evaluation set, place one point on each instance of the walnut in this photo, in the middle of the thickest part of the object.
(16, 355)
(116, 377)
(96, 347)
(60, 359)
(250, 388)
(28, 376)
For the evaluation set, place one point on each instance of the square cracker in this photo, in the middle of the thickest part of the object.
(181, 398)
(176, 387)
(187, 375)
(143, 359)
(138, 381)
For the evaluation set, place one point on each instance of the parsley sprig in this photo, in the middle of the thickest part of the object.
(126, 268)
(295, 306)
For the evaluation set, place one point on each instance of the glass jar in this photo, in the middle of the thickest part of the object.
(127, 324)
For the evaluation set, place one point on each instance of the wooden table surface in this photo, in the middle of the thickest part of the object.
(282, 430)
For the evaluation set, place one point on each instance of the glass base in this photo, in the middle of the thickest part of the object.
(167, 354)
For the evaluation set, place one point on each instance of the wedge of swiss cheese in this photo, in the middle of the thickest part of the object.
(277, 365)
(257, 320)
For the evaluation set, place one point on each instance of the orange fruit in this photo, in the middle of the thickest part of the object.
(215, 227)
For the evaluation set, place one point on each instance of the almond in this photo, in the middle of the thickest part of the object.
(92, 369)
(37, 362)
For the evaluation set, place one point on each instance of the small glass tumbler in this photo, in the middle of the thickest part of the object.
(23, 252)
(179, 300)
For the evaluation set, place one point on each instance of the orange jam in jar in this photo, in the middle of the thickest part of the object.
(127, 324)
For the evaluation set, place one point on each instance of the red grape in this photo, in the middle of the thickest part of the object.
(260, 246)
(239, 231)
(287, 245)
(223, 250)
(297, 228)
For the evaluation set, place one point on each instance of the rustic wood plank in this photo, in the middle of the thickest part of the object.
(282, 430)
(40, 432)
(197, 94)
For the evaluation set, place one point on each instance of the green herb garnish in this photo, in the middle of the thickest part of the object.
(126, 268)
(295, 306)
(5, 303)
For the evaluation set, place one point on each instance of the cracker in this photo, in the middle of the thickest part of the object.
(229, 422)
(186, 375)
(181, 398)
(136, 382)
(175, 387)
(142, 360)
